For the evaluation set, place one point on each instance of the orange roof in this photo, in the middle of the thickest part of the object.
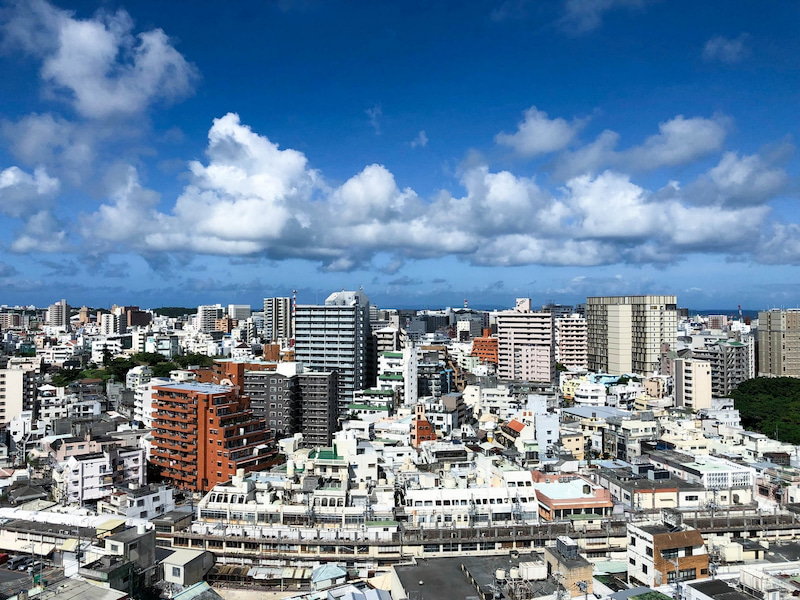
(516, 426)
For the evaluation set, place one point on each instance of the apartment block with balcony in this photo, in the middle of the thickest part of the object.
(92, 477)
(203, 433)
(570, 341)
(525, 344)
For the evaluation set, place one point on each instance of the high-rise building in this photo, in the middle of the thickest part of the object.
(692, 383)
(525, 349)
(731, 363)
(333, 337)
(625, 333)
(570, 341)
(207, 315)
(203, 433)
(275, 397)
(319, 395)
(58, 314)
(278, 319)
(17, 392)
(779, 342)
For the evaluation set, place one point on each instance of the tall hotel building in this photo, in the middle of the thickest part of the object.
(203, 433)
(525, 349)
(779, 343)
(625, 333)
(333, 337)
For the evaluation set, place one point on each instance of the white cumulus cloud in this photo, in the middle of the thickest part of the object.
(99, 64)
(21, 192)
(537, 134)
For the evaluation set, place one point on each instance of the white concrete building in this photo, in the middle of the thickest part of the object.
(93, 476)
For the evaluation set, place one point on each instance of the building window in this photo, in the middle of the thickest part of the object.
(644, 569)
(176, 571)
(649, 551)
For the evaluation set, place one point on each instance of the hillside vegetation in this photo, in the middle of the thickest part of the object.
(770, 404)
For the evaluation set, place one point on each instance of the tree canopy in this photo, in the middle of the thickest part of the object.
(770, 405)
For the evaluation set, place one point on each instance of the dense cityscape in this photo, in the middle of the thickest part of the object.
(419, 300)
(321, 450)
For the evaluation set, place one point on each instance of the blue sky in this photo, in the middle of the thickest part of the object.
(183, 153)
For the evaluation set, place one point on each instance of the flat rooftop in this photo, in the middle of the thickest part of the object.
(444, 577)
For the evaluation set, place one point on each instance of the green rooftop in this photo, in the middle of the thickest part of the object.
(326, 454)
(393, 354)
(366, 407)
(391, 377)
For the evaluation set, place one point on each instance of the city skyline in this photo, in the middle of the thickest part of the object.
(429, 153)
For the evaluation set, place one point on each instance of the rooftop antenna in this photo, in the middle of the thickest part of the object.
(466, 304)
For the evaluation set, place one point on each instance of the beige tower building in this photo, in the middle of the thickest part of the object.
(625, 333)
(779, 343)
(525, 348)
(692, 383)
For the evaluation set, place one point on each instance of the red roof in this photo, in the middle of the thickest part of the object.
(516, 426)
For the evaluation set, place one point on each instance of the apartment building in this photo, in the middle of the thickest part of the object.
(333, 337)
(58, 314)
(732, 362)
(92, 477)
(570, 341)
(779, 343)
(278, 322)
(658, 554)
(485, 347)
(207, 316)
(692, 383)
(17, 391)
(203, 433)
(625, 333)
(320, 408)
(525, 346)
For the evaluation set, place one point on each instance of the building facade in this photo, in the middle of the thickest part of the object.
(333, 337)
(525, 348)
(779, 343)
(278, 323)
(625, 333)
(570, 341)
(203, 433)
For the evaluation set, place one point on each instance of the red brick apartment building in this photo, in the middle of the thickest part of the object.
(203, 433)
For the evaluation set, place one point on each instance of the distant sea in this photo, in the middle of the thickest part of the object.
(731, 312)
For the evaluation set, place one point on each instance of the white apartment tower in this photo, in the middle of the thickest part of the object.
(525, 344)
(570, 336)
(779, 343)
(278, 319)
(207, 315)
(333, 337)
(625, 333)
(58, 314)
(692, 383)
